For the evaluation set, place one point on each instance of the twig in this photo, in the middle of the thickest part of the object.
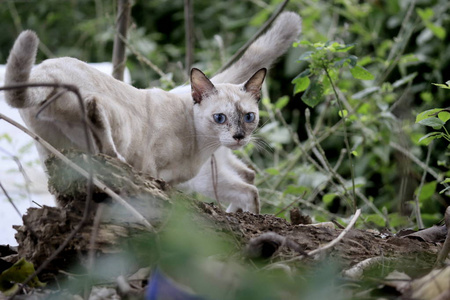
(446, 247)
(340, 237)
(145, 60)
(122, 22)
(91, 253)
(401, 39)
(299, 200)
(189, 32)
(411, 156)
(89, 188)
(422, 181)
(80, 170)
(290, 204)
(347, 144)
(21, 170)
(257, 34)
(10, 200)
(214, 175)
(320, 154)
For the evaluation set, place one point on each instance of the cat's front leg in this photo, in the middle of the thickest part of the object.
(232, 183)
(247, 201)
(247, 174)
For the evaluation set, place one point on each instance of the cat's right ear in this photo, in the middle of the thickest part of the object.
(200, 85)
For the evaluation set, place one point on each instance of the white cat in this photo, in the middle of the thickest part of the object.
(169, 135)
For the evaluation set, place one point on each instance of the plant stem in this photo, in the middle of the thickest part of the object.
(347, 144)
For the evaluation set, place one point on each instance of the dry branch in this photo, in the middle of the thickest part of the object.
(340, 237)
(122, 22)
(257, 35)
(189, 29)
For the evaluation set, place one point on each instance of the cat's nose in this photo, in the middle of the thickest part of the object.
(238, 136)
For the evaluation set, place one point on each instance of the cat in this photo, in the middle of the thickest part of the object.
(169, 135)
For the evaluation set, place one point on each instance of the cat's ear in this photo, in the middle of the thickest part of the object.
(253, 85)
(200, 85)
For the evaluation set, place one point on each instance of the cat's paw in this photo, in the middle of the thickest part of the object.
(120, 157)
(247, 175)
(248, 201)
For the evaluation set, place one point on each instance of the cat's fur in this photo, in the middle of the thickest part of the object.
(169, 135)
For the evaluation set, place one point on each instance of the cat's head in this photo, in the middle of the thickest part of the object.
(226, 113)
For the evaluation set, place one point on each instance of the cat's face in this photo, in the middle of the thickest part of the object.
(226, 113)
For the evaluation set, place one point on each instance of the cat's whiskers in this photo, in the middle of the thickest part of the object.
(261, 144)
(260, 126)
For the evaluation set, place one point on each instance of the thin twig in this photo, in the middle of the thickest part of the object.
(347, 143)
(401, 39)
(339, 238)
(257, 35)
(417, 161)
(214, 175)
(89, 173)
(321, 156)
(145, 60)
(21, 170)
(189, 33)
(446, 247)
(80, 170)
(10, 200)
(91, 253)
(290, 204)
(122, 23)
(419, 191)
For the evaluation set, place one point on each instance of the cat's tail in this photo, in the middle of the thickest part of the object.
(263, 52)
(20, 61)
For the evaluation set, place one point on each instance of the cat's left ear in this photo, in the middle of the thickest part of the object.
(254, 84)
(200, 85)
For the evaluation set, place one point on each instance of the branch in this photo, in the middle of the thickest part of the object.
(340, 237)
(189, 30)
(122, 22)
(257, 35)
(80, 170)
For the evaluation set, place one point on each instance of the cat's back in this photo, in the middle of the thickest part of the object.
(69, 70)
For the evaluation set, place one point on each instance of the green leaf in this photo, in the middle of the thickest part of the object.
(444, 190)
(425, 14)
(428, 190)
(272, 171)
(396, 220)
(305, 56)
(328, 198)
(20, 271)
(313, 94)
(343, 48)
(361, 73)
(437, 30)
(434, 122)
(442, 113)
(446, 180)
(426, 139)
(282, 102)
(376, 219)
(295, 190)
(301, 84)
(343, 113)
(444, 86)
(404, 80)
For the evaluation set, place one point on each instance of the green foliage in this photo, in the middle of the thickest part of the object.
(18, 273)
(325, 59)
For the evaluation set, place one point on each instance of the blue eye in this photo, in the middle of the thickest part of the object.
(249, 117)
(220, 118)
